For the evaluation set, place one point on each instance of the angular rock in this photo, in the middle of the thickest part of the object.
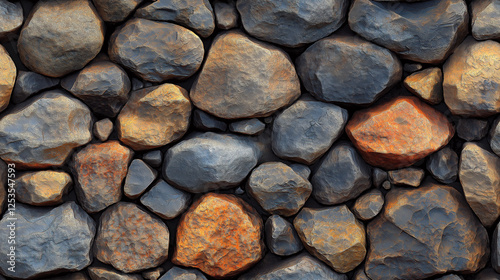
(48, 240)
(301, 169)
(426, 84)
(220, 235)
(306, 130)
(42, 188)
(29, 83)
(153, 274)
(130, 239)
(407, 176)
(153, 158)
(266, 77)
(247, 127)
(11, 17)
(7, 75)
(368, 205)
(425, 32)
(443, 165)
(177, 273)
(69, 42)
(139, 177)
(486, 19)
(398, 133)
(101, 273)
(165, 200)
(472, 129)
(333, 235)
(495, 136)
(412, 67)
(156, 51)
(103, 129)
(379, 176)
(348, 69)
(226, 15)
(117, 10)
(360, 275)
(281, 237)
(206, 122)
(495, 249)
(100, 170)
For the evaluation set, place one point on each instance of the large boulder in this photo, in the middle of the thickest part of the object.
(8, 73)
(11, 18)
(486, 19)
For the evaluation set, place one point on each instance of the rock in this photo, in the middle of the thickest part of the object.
(266, 77)
(487, 274)
(495, 249)
(61, 114)
(3, 185)
(209, 162)
(153, 158)
(412, 67)
(7, 75)
(103, 129)
(443, 165)
(379, 176)
(116, 11)
(472, 129)
(220, 235)
(486, 19)
(50, 240)
(194, 14)
(301, 169)
(368, 205)
(154, 117)
(11, 18)
(471, 79)
(348, 69)
(100, 169)
(138, 179)
(451, 277)
(226, 15)
(333, 235)
(153, 274)
(407, 176)
(292, 23)
(71, 276)
(306, 130)
(424, 232)
(42, 188)
(342, 175)
(101, 273)
(69, 42)
(360, 275)
(247, 127)
(479, 174)
(495, 136)
(165, 200)
(177, 273)
(130, 239)
(29, 83)
(206, 122)
(156, 51)
(386, 185)
(398, 133)
(425, 32)
(281, 237)
(426, 84)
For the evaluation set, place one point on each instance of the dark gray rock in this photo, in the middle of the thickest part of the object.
(301, 169)
(360, 274)
(472, 129)
(153, 274)
(495, 249)
(368, 205)
(29, 83)
(226, 15)
(165, 200)
(136, 84)
(153, 158)
(101, 273)
(443, 165)
(117, 10)
(138, 179)
(495, 136)
(486, 19)
(487, 274)
(348, 69)
(70, 276)
(450, 277)
(206, 122)
(410, 176)
(248, 127)
(379, 176)
(3, 185)
(386, 185)
(103, 129)
(11, 17)
(412, 67)
(178, 273)
(281, 237)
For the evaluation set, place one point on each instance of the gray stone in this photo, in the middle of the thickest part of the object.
(70, 276)
(165, 200)
(386, 185)
(103, 129)
(472, 129)
(153, 158)
(410, 176)
(360, 274)
(443, 165)
(116, 10)
(281, 237)
(11, 17)
(450, 277)
(301, 169)
(368, 205)
(412, 67)
(138, 179)
(206, 122)
(226, 15)
(379, 176)
(486, 19)
(178, 273)
(495, 136)
(487, 274)
(153, 274)
(348, 69)
(3, 185)
(495, 249)
(101, 273)
(136, 84)
(29, 83)
(247, 127)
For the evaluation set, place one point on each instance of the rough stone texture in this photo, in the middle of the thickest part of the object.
(471, 78)
(7, 75)
(100, 169)
(226, 15)
(495, 136)
(292, 23)
(130, 239)
(115, 10)
(360, 274)
(495, 249)
(156, 51)
(63, 240)
(11, 17)
(348, 69)
(306, 130)
(209, 162)
(3, 185)
(103, 129)
(368, 205)
(412, 67)
(281, 237)
(154, 117)
(379, 176)
(333, 235)
(177, 273)
(425, 31)
(206, 122)
(139, 177)
(51, 115)
(472, 129)
(407, 176)
(153, 158)
(165, 200)
(70, 276)
(194, 14)
(443, 165)
(301, 169)
(248, 127)
(42, 188)
(342, 175)
(29, 83)
(486, 19)
(69, 42)
(426, 84)
(220, 235)
(398, 133)
(153, 274)
(266, 77)
(101, 273)
(479, 175)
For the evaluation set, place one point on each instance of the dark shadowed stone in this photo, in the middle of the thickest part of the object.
(138, 179)
(103, 129)
(307, 129)
(301, 169)
(425, 31)
(42, 188)
(360, 274)
(281, 237)
(178, 273)
(426, 84)
(116, 10)
(248, 127)
(153, 158)
(379, 176)
(226, 15)
(443, 165)
(450, 277)
(368, 205)
(11, 17)
(165, 200)
(412, 67)
(495, 249)
(50, 240)
(386, 185)
(29, 83)
(487, 274)
(348, 69)
(70, 276)
(410, 176)
(3, 185)
(101, 273)
(486, 19)
(472, 129)
(206, 122)
(153, 274)
(495, 136)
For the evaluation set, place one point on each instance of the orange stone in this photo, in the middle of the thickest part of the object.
(221, 235)
(398, 133)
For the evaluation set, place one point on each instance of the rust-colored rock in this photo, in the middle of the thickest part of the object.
(7, 78)
(220, 235)
(43, 187)
(398, 133)
(426, 84)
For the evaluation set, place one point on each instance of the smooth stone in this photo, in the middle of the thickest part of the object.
(153, 158)
(485, 19)
(379, 176)
(450, 277)
(495, 249)
(412, 67)
(178, 273)
(139, 177)
(487, 274)
(206, 122)
(42, 188)
(11, 18)
(166, 201)
(8, 73)
(116, 10)
(301, 169)
(103, 129)
(472, 129)
(3, 185)
(443, 165)
(426, 84)
(226, 15)
(28, 83)
(281, 237)
(368, 205)
(495, 136)
(410, 176)
(247, 127)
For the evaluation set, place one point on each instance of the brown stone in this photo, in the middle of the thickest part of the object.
(220, 235)
(103, 129)
(115, 10)
(398, 133)
(11, 18)
(3, 185)
(43, 187)
(368, 205)
(426, 84)
(7, 77)
(407, 176)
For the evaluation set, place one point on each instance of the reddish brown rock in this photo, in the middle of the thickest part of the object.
(43, 187)
(7, 78)
(220, 235)
(398, 133)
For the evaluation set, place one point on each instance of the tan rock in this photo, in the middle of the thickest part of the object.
(426, 84)
(43, 187)
(7, 77)
(103, 129)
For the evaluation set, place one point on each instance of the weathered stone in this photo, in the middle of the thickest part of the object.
(426, 84)
(425, 32)
(412, 67)
(220, 235)
(379, 176)
(342, 175)
(153, 274)
(450, 277)
(139, 177)
(103, 129)
(333, 235)
(177, 273)
(443, 165)
(11, 17)
(306, 130)
(360, 274)
(206, 122)
(48, 240)
(29, 83)
(226, 15)
(156, 51)
(386, 185)
(495, 249)
(100, 170)
(247, 127)
(165, 200)
(153, 158)
(424, 232)
(479, 175)
(486, 19)
(130, 239)
(487, 274)
(398, 133)
(44, 132)
(348, 69)
(368, 205)
(42, 188)
(301, 169)
(3, 184)
(71, 276)
(281, 237)
(57, 47)
(7, 75)
(101, 273)
(266, 77)
(407, 176)
(116, 10)
(472, 129)
(495, 136)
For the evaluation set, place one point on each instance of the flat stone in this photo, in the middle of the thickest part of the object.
(379, 176)
(69, 42)
(472, 129)
(42, 188)
(301, 169)
(281, 237)
(495, 249)
(486, 19)
(341, 176)
(50, 240)
(398, 133)
(368, 205)
(306, 130)
(139, 177)
(234, 56)
(333, 235)
(426, 84)
(116, 11)
(206, 122)
(443, 165)
(166, 201)
(154, 117)
(103, 129)
(7, 75)
(226, 15)
(101, 273)
(410, 176)
(177, 273)
(248, 127)
(130, 239)
(153, 274)
(220, 235)
(28, 83)
(425, 32)
(348, 69)
(11, 18)
(156, 51)
(153, 158)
